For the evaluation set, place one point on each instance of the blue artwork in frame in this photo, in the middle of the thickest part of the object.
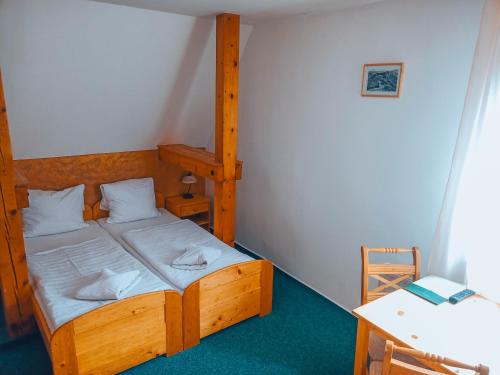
(382, 80)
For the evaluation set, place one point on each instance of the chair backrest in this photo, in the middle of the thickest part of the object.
(393, 366)
(388, 275)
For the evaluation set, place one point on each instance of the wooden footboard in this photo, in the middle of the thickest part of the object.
(116, 336)
(226, 297)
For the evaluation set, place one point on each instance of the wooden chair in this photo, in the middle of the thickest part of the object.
(389, 276)
(397, 367)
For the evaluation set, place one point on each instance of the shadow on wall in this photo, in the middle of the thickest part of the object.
(179, 95)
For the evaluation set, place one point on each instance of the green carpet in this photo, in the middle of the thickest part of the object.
(305, 334)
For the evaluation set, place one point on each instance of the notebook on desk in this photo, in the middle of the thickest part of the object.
(425, 293)
(434, 289)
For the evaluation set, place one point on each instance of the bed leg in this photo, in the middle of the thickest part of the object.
(191, 315)
(266, 288)
(63, 355)
(173, 321)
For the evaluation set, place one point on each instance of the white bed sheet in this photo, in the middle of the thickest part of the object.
(175, 236)
(58, 264)
(116, 231)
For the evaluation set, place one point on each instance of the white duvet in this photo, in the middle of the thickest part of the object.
(59, 272)
(159, 245)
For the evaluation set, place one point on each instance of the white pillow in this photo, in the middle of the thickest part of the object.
(52, 212)
(129, 200)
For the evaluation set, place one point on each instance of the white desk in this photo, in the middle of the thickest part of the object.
(468, 332)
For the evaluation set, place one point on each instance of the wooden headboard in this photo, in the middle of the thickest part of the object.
(58, 173)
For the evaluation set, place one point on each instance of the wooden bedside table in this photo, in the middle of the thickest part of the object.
(196, 209)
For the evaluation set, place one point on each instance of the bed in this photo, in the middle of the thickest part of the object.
(88, 337)
(235, 287)
(168, 164)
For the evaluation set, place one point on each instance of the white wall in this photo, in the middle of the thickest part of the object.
(326, 170)
(85, 77)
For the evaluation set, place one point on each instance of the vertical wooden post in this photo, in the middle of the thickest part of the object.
(191, 315)
(173, 320)
(226, 123)
(266, 288)
(14, 279)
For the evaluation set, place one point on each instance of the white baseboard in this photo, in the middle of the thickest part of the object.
(294, 277)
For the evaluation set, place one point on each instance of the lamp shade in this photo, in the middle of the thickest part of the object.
(189, 179)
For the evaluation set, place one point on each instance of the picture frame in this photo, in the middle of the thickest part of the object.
(382, 80)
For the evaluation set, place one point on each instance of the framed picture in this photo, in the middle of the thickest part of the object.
(383, 80)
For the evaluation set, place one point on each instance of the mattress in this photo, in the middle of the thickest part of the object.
(60, 264)
(172, 235)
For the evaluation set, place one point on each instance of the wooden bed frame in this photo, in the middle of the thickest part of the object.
(222, 298)
(226, 297)
(128, 332)
(134, 330)
(116, 336)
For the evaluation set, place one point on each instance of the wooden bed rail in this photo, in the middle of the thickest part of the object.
(226, 297)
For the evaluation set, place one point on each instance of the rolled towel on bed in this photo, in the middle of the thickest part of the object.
(109, 285)
(196, 257)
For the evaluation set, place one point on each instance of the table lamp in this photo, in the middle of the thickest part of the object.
(189, 180)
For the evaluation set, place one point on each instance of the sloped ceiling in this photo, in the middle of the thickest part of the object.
(86, 77)
(252, 11)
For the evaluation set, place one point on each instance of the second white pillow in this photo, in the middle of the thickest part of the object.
(129, 200)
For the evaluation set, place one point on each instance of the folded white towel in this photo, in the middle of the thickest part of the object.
(196, 257)
(109, 285)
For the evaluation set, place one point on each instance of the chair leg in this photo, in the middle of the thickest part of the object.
(360, 360)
